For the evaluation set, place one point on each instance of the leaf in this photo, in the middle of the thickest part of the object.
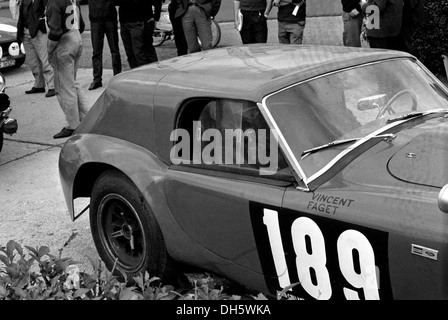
(140, 283)
(10, 246)
(32, 250)
(4, 259)
(19, 292)
(94, 262)
(287, 288)
(19, 248)
(260, 296)
(43, 251)
(80, 292)
(3, 292)
(129, 294)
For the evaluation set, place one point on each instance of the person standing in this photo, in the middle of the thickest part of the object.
(352, 19)
(412, 18)
(291, 17)
(178, 29)
(253, 20)
(31, 31)
(103, 22)
(137, 18)
(387, 35)
(196, 15)
(14, 8)
(65, 25)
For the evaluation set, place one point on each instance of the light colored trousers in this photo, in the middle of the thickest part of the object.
(196, 24)
(37, 59)
(290, 32)
(64, 59)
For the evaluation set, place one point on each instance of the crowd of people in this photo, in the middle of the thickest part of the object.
(50, 31)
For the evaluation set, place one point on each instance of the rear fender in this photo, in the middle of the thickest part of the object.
(84, 157)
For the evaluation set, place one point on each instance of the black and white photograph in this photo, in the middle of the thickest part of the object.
(229, 156)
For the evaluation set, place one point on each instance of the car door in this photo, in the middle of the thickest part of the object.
(212, 189)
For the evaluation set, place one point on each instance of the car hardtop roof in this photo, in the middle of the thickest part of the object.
(250, 71)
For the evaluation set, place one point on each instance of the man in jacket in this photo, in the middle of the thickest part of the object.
(254, 26)
(32, 33)
(65, 24)
(178, 29)
(103, 22)
(291, 18)
(352, 22)
(196, 15)
(387, 35)
(137, 21)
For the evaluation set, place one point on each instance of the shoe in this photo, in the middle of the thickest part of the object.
(95, 85)
(35, 90)
(64, 133)
(50, 93)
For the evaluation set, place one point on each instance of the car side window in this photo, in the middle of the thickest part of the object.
(227, 135)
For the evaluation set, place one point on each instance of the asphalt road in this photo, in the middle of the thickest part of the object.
(32, 208)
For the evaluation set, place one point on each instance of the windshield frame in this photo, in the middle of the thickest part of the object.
(310, 183)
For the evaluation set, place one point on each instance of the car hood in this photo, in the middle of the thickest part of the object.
(423, 159)
(8, 30)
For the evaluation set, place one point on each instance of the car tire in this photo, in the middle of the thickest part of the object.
(19, 62)
(216, 33)
(125, 231)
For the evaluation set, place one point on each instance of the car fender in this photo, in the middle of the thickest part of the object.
(84, 157)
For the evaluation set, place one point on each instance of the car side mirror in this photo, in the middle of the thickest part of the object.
(372, 102)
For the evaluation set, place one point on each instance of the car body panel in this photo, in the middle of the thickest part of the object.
(422, 160)
(370, 224)
(212, 202)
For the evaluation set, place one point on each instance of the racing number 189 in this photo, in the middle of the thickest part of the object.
(315, 258)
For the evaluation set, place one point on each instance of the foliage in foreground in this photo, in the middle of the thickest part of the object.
(28, 273)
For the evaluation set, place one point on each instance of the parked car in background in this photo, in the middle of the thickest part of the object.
(12, 55)
(316, 172)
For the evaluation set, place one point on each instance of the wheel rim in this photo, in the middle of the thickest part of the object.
(121, 232)
(158, 38)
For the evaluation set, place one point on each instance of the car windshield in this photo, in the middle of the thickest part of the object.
(330, 113)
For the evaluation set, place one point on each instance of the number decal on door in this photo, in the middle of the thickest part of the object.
(354, 252)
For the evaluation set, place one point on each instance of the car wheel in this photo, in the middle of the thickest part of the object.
(158, 37)
(19, 62)
(125, 231)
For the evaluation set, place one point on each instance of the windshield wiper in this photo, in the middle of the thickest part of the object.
(387, 137)
(405, 117)
(417, 114)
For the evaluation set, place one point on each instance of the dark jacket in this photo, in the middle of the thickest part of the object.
(102, 11)
(138, 10)
(252, 5)
(391, 13)
(349, 5)
(37, 19)
(286, 9)
(211, 7)
(60, 18)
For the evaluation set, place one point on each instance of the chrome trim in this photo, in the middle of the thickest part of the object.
(432, 76)
(297, 169)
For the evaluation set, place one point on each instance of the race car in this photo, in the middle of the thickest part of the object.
(306, 172)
